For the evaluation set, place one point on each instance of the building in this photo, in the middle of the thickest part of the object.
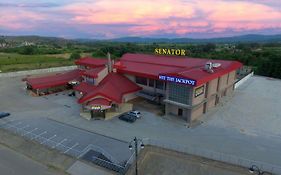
(188, 87)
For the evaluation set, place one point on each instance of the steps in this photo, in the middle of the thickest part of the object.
(101, 160)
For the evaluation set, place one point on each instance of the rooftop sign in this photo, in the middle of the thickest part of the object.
(162, 51)
(177, 80)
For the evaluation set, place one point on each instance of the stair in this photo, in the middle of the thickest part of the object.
(101, 160)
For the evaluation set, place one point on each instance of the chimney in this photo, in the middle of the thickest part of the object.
(109, 62)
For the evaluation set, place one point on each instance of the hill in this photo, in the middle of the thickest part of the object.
(234, 39)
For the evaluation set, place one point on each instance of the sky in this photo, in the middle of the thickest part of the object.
(105, 19)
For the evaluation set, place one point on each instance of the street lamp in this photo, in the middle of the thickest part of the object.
(137, 143)
(255, 168)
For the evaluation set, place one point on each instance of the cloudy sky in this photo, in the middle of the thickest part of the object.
(147, 18)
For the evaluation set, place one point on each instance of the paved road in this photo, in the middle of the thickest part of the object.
(13, 163)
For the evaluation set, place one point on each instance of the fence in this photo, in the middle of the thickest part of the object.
(227, 158)
(243, 80)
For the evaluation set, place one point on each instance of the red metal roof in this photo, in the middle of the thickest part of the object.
(99, 102)
(84, 87)
(54, 80)
(112, 87)
(151, 66)
(93, 73)
(91, 62)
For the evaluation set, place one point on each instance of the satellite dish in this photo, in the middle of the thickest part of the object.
(216, 65)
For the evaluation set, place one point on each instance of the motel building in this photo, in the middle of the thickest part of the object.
(188, 87)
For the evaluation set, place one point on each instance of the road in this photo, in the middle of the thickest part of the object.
(13, 163)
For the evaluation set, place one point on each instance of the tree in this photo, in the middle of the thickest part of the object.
(28, 50)
(75, 56)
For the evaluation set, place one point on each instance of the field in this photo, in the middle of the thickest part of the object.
(10, 62)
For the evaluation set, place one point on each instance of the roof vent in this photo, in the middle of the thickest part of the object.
(209, 66)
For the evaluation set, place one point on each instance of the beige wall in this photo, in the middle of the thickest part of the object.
(101, 75)
(229, 90)
(173, 109)
(211, 103)
(200, 98)
(223, 82)
(212, 87)
(232, 77)
(197, 112)
(129, 97)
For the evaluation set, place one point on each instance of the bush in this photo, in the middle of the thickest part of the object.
(75, 56)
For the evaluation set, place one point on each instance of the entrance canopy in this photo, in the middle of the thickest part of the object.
(99, 104)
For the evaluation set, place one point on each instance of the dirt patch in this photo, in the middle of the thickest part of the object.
(154, 160)
(52, 158)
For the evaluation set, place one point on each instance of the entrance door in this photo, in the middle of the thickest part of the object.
(180, 112)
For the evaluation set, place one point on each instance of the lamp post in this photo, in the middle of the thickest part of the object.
(255, 168)
(136, 143)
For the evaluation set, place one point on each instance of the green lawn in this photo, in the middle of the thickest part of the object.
(15, 62)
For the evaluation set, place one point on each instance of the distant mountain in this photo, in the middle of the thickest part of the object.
(63, 41)
(35, 39)
(234, 39)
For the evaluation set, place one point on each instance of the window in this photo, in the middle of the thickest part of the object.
(159, 84)
(151, 83)
(141, 80)
(180, 93)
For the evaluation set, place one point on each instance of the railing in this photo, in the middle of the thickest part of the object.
(98, 149)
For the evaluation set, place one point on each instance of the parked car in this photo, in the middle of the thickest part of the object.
(134, 113)
(4, 114)
(128, 118)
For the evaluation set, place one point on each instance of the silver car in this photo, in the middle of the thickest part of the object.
(136, 114)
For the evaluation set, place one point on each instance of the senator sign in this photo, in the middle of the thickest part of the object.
(177, 80)
(163, 51)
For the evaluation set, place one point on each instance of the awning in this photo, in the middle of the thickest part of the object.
(99, 104)
(147, 95)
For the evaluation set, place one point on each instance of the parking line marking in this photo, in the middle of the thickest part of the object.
(49, 139)
(13, 126)
(59, 143)
(76, 144)
(30, 131)
(22, 128)
(39, 135)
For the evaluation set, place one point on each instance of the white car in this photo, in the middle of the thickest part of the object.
(136, 114)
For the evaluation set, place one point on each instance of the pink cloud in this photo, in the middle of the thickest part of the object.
(18, 19)
(175, 16)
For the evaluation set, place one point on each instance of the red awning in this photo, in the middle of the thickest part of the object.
(54, 80)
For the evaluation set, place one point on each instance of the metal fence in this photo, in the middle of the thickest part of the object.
(227, 158)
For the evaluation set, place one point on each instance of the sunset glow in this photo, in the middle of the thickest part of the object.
(146, 18)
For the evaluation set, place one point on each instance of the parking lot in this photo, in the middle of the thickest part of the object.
(68, 140)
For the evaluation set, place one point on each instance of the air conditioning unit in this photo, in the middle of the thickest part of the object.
(209, 66)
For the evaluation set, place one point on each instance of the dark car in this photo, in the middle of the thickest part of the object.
(128, 118)
(4, 114)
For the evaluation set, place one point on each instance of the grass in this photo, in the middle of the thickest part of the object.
(10, 62)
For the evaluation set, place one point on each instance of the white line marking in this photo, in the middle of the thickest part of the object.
(30, 131)
(39, 135)
(76, 144)
(49, 139)
(59, 143)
